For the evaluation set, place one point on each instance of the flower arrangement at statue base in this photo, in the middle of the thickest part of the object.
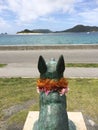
(50, 85)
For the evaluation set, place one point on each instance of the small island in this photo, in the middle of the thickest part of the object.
(77, 28)
(35, 31)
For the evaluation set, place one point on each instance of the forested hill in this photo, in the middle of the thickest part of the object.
(82, 28)
(77, 28)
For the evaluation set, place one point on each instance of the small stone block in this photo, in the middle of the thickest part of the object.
(75, 117)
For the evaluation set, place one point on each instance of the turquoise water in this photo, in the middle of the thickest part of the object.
(50, 39)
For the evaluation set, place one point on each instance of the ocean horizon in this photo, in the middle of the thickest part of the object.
(81, 38)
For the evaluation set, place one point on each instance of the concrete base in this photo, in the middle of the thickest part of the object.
(76, 121)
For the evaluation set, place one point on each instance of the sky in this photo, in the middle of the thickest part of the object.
(56, 15)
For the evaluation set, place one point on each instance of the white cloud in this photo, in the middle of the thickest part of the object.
(90, 16)
(2, 6)
(1, 21)
(3, 25)
(28, 10)
(96, 1)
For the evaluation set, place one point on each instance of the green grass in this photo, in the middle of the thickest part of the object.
(82, 96)
(16, 91)
(93, 65)
(2, 65)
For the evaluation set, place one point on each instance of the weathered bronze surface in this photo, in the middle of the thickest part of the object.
(53, 114)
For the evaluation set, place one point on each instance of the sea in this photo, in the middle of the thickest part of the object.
(81, 38)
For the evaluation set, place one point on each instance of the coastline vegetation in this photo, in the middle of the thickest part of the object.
(21, 93)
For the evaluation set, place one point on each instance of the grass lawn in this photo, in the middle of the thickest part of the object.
(2, 65)
(82, 97)
(87, 65)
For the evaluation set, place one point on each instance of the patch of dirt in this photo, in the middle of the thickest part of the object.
(90, 124)
(3, 125)
(14, 109)
(11, 111)
(15, 127)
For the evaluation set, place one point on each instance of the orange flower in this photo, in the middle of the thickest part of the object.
(51, 84)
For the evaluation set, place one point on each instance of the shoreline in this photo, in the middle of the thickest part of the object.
(45, 47)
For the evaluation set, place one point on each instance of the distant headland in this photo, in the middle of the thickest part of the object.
(77, 28)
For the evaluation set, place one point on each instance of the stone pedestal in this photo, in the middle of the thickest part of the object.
(76, 121)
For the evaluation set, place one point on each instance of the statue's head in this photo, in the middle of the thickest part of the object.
(52, 69)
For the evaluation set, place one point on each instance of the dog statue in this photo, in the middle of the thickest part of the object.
(52, 87)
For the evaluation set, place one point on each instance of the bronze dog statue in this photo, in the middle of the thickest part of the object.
(52, 87)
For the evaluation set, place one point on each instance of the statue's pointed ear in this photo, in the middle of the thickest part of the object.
(60, 65)
(42, 67)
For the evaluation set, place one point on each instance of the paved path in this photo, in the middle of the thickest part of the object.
(31, 56)
(30, 70)
(24, 63)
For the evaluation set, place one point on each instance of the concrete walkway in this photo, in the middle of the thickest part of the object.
(31, 56)
(31, 71)
(23, 63)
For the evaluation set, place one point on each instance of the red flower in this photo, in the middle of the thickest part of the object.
(48, 85)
